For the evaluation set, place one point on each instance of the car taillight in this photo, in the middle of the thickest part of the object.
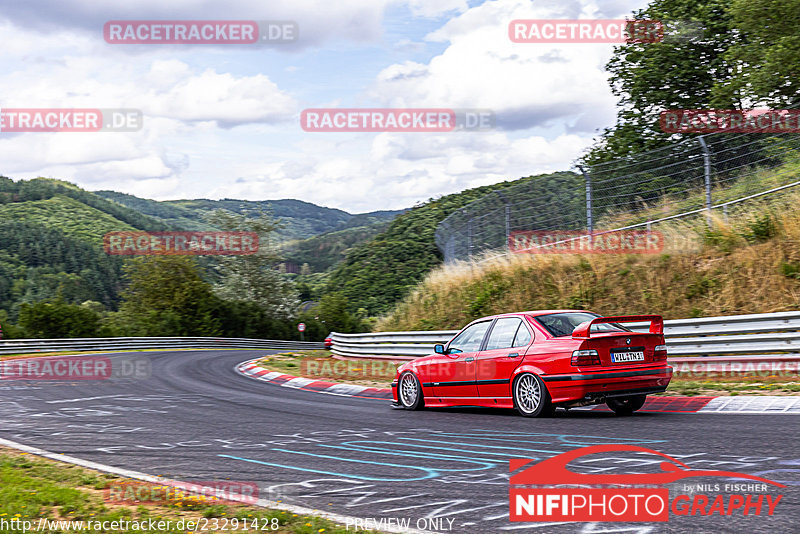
(585, 357)
(660, 352)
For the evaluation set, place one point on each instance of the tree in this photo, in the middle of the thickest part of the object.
(767, 58)
(58, 319)
(680, 72)
(332, 310)
(166, 296)
(254, 278)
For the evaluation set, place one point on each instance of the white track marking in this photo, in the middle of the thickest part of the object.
(84, 399)
(761, 404)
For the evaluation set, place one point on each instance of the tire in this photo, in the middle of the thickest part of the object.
(626, 405)
(409, 392)
(531, 398)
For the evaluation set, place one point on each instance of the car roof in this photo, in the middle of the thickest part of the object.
(533, 313)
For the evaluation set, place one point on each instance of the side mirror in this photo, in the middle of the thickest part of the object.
(438, 349)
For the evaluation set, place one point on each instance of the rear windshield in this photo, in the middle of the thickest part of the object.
(562, 324)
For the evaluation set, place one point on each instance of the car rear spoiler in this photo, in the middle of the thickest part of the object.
(656, 324)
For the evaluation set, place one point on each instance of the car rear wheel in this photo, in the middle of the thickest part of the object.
(531, 398)
(626, 405)
(409, 392)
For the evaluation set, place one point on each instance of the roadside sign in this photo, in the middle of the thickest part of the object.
(301, 327)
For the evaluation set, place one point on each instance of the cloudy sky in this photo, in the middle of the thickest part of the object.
(223, 120)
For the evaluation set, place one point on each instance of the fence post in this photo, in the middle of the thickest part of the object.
(469, 232)
(588, 179)
(707, 172)
(507, 214)
(469, 236)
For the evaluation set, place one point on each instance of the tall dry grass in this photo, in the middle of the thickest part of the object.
(749, 263)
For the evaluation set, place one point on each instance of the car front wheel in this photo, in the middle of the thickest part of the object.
(626, 405)
(409, 392)
(531, 398)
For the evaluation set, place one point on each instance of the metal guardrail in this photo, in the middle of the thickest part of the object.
(756, 336)
(26, 346)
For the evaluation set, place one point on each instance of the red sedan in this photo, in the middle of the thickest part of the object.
(539, 360)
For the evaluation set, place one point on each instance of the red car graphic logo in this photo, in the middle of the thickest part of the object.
(553, 471)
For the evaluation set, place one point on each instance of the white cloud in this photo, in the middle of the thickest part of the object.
(219, 97)
(526, 85)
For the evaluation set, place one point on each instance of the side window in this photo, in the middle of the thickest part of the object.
(503, 332)
(470, 339)
(523, 337)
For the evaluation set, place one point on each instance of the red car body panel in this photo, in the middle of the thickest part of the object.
(485, 377)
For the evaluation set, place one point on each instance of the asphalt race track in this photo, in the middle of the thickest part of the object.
(194, 418)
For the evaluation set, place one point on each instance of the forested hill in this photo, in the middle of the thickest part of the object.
(51, 236)
(301, 220)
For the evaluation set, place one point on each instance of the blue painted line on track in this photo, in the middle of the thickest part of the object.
(488, 463)
(513, 449)
(430, 473)
(566, 438)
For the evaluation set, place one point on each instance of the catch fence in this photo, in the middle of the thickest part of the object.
(688, 178)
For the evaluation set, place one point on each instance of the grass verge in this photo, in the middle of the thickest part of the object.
(320, 365)
(731, 386)
(32, 488)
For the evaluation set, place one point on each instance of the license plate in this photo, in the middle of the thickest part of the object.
(629, 356)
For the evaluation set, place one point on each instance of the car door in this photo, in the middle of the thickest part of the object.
(504, 350)
(454, 374)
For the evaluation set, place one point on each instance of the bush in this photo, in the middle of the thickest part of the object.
(57, 319)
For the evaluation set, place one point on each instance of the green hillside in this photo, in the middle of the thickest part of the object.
(378, 273)
(301, 220)
(325, 250)
(40, 263)
(177, 217)
(14, 193)
(63, 213)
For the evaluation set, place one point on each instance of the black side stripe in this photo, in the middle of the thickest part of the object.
(601, 376)
(465, 383)
(552, 378)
